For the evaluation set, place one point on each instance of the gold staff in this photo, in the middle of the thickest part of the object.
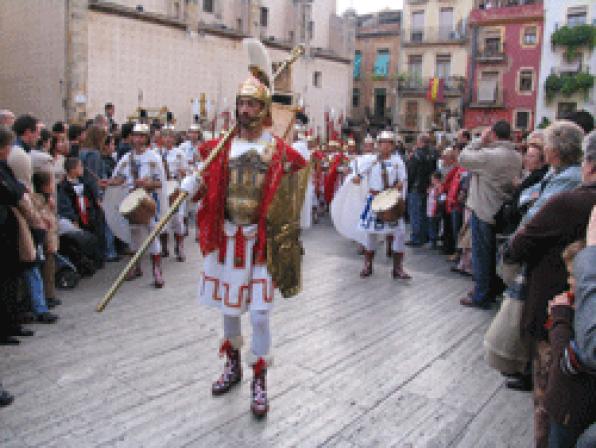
(295, 54)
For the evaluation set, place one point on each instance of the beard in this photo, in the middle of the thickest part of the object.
(248, 122)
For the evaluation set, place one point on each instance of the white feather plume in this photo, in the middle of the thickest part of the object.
(259, 58)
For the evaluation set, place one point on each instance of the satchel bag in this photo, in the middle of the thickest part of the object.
(506, 350)
(27, 249)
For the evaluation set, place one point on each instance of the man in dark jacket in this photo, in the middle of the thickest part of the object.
(421, 166)
(11, 192)
(124, 147)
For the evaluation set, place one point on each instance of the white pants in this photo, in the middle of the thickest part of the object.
(177, 223)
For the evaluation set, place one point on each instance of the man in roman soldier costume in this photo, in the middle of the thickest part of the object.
(176, 168)
(193, 141)
(237, 237)
(383, 174)
(143, 168)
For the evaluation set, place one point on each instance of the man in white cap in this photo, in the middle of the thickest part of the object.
(383, 175)
(177, 167)
(143, 168)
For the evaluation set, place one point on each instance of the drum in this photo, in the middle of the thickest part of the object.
(118, 224)
(389, 205)
(138, 207)
(172, 190)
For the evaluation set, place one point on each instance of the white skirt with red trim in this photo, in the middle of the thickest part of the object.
(236, 285)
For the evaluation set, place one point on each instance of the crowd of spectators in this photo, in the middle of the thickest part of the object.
(491, 200)
(52, 185)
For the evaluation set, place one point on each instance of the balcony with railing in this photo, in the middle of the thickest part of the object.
(434, 35)
(493, 4)
(494, 54)
(487, 11)
(453, 86)
(414, 122)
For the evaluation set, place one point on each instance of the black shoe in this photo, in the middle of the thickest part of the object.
(52, 303)
(5, 398)
(46, 318)
(9, 340)
(113, 259)
(413, 244)
(467, 301)
(522, 383)
(21, 331)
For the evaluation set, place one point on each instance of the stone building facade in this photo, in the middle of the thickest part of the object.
(504, 64)
(66, 59)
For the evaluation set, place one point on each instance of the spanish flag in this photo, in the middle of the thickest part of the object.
(436, 87)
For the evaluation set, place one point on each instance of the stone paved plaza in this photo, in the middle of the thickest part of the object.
(358, 363)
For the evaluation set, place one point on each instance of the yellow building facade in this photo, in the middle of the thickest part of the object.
(434, 45)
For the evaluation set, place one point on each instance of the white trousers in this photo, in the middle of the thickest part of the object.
(177, 223)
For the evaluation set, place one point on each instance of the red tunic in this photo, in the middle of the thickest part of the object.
(210, 218)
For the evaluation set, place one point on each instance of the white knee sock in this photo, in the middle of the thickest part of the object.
(231, 326)
(261, 335)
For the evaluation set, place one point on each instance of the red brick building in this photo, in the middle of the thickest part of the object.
(504, 63)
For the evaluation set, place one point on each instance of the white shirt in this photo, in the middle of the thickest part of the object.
(177, 162)
(375, 177)
(149, 166)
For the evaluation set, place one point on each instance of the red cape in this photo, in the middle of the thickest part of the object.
(210, 218)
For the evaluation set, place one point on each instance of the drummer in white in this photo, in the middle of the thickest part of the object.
(177, 167)
(382, 175)
(143, 168)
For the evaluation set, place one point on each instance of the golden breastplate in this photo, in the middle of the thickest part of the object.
(245, 188)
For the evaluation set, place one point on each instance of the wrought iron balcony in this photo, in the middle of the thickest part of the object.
(492, 55)
(413, 86)
(493, 4)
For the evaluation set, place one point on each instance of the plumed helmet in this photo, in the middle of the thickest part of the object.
(258, 83)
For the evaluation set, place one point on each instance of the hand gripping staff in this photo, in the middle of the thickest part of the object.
(294, 55)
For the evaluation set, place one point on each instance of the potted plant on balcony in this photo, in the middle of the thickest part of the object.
(584, 81)
(552, 85)
(574, 37)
